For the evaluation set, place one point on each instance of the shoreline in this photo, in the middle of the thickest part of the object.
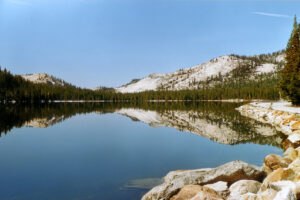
(150, 101)
(279, 176)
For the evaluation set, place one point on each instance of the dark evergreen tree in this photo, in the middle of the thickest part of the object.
(290, 75)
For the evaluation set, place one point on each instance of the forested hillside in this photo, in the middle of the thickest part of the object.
(16, 88)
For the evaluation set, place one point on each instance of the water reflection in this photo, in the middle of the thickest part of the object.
(216, 121)
(145, 183)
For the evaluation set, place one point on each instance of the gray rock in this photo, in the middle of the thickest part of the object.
(243, 187)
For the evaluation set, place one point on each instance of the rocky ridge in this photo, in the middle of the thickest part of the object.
(43, 78)
(209, 73)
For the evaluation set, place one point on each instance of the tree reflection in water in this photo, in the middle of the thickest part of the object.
(217, 121)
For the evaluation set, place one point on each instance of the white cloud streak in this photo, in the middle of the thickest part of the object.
(271, 14)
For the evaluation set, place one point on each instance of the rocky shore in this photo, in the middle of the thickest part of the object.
(278, 178)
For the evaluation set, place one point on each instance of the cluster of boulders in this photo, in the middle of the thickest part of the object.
(227, 181)
(278, 178)
(283, 173)
(286, 122)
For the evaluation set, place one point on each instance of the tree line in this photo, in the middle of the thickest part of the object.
(15, 88)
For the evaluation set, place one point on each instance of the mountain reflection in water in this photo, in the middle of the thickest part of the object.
(217, 121)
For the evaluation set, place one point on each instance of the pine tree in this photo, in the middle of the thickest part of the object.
(290, 77)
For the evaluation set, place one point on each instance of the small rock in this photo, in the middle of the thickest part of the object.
(285, 194)
(297, 192)
(278, 175)
(189, 192)
(289, 119)
(296, 132)
(279, 185)
(268, 194)
(206, 196)
(220, 187)
(294, 138)
(248, 196)
(298, 150)
(273, 177)
(291, 153)
(242, 187)
(295, 166)
(296, 125)
(172, 175)
(287, 144)
(266, 169)
(286, 130)
(274, 161)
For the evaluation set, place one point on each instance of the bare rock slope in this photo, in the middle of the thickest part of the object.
(191, 78)
(43, 78)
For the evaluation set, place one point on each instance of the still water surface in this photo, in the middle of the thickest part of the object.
(98, 151)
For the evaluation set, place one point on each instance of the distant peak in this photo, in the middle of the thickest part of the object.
(43, 78)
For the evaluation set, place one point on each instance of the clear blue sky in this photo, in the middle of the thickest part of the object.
(109, 42)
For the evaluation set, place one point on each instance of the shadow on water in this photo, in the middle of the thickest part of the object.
(217, 121)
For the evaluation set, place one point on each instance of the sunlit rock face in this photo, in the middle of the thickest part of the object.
(44, 122)
(191, 78)
(211, 126)
(43, 78)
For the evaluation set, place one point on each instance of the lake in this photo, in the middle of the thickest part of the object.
(119, 151)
